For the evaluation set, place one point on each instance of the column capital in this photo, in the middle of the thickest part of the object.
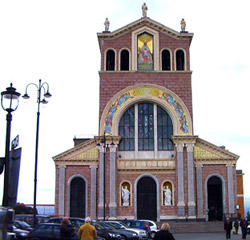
(112, 148)
(179, 147)
(190, 147)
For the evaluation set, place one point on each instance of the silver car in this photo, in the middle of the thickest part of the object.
(141, 233)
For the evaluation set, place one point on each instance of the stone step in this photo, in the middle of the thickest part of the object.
(198, 227)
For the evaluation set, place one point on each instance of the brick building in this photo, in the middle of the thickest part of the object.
(146, 162)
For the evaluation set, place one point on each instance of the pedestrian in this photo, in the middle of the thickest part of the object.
(228, 227)
(164, 233)
(66, 230)
(243, 225)
(87, 231)
(236, 226)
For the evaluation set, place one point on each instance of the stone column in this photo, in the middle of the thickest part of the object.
(190, 176)
(61, 190)
(101, 180)
(180, 181)
(199, 185)
(112, 176)
(93, 197)
(230, 187)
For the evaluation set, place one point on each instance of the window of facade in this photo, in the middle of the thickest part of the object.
(110, 60)
(127, 130)
(166, 61)
(124, 64)
(145, 52)
(138, 125)
(180, 60)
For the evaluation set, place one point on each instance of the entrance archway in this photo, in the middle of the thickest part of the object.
(215, 199)
(146, 199)
(77, 198)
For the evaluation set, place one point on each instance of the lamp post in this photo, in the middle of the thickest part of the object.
(45, 88)
(9, 102)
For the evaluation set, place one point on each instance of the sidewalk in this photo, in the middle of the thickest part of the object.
(205, 236)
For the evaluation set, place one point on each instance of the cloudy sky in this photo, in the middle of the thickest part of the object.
(55, 40)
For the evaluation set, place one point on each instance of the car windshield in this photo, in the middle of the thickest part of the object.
(24, 224)
(117, 225)
(106, 226)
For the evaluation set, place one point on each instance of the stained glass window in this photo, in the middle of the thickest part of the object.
(146, 134)
(127, 130)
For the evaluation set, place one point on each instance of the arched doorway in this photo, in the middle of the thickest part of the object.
(215, 199)
(77, 197)
(146, 199)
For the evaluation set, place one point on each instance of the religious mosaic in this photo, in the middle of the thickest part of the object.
(184, 127)
(145, 52)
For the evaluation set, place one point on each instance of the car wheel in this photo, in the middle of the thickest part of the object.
(123, 237)
(152, 235)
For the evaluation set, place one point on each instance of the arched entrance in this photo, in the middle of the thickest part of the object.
(146, 199)
(77, 197)
(215, 199)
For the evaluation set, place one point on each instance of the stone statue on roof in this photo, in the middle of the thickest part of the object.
(183, 25)
(144, 10)
(106, 24)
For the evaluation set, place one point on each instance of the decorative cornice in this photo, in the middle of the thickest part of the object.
(144, 22)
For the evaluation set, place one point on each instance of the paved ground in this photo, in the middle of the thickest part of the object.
(206, 236)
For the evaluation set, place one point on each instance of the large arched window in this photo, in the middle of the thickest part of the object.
(124, 64)
(110, 60)
(145, 127)
(166, 62)
(180, 60)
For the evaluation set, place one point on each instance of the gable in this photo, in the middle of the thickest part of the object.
(82, 154)
(144, 23)
(208, 153)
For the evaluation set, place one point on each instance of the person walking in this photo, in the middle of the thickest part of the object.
(236, 226)
(228, 227)
(164, 233)
(87, 231)
(243, 225)
(66, 230)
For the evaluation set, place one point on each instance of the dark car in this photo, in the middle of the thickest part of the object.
(126, 234)
(108, 234)
(139, 224)
(22, 225)
(48, 231)
(20, 233)
(76, 222)
(28, 218)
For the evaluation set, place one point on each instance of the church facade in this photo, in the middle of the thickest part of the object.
(146, 162)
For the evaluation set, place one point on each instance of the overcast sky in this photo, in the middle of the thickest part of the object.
(56, 41)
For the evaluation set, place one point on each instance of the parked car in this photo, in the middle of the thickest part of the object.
(153, 227)
(28, 218)
(22, 225)
(120, 225)
(76, 222)
(45, 231)
(139, 224)
(108, 234)
(125, 234)
(20, 233)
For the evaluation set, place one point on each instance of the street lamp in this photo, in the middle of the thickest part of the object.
(9, 102)
(45, 88)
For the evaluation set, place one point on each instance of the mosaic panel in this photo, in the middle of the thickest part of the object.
(168, 98)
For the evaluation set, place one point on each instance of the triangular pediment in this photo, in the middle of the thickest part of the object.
(206, 153)
(82, 154)
(145, 22)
